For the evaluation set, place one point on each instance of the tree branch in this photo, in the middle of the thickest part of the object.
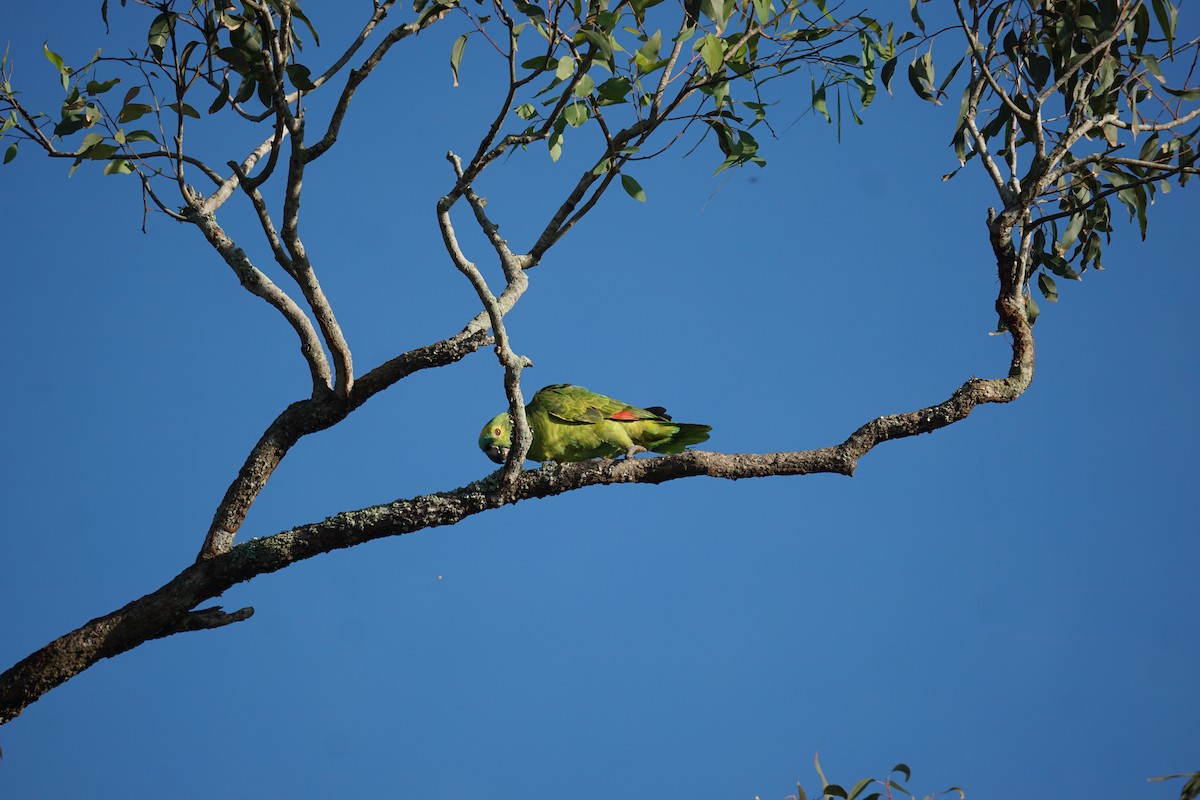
(304, 274)
(260, 285)
(316, 414)
(357, 76)
(168, 610)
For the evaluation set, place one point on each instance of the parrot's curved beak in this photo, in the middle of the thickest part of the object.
(497, 453)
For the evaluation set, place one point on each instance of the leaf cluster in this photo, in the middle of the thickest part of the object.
(246, 52)
(870, 788)
(634, 64)
(1079, 102)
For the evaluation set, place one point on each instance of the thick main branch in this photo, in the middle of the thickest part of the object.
(168, 610)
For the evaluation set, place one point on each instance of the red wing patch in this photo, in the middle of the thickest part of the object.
(625, 415)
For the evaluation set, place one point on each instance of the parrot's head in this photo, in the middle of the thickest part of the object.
(496, 438)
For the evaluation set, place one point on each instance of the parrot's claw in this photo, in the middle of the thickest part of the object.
(634, 448)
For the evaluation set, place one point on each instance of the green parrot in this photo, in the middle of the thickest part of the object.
(569, 423)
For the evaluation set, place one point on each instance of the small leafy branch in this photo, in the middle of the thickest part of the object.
(1191, 787)
(1068, 105)
(888, 787)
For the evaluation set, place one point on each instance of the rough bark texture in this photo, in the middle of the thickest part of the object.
(167, 610)
(337, 392)
(309, 416)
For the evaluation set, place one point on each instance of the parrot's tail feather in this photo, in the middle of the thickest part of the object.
(688, 434)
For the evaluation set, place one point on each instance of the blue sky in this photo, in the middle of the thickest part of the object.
(1007, 605)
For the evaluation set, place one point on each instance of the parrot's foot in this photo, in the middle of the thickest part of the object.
(634, 448)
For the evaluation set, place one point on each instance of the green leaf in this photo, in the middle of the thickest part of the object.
(222, 97)
(858, 787)
(566, 68)
(614, 90)
(818, 101)
(920, 75)
(186, 53)
(118, 167)
(53, 57)
(718, 11)
(139, 136)
(247, 38)
(1048, 287)
(912, 7)
(646, 57)
(633, 188)
(160, 33)
(639, 9)
(1151, 64)
(456, 54)
(941, 90)
(576, 114)
(298, 14)
(98, 87)
(720, 93)
(246, 90)
(904, 770)
(1071, 234)
(833, 790)
(533, 12)
(866, 92)
(820, 772)
(132, 111)
(1039, 68)
(1168, 18)
(525, 111)
(88, 141)
(429, 11)
(101, 152)
(184, 109)
(885, 74)
(10, 153)
(300, 76)
(1186, 94)
(64, 73)
(539, 63)
(1031, 314)
(603, 45)
(70, 123)
(1059, 266)
(712, 50)
(585, 86)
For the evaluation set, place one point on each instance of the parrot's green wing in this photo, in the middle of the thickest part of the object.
(575, 404)
(569, 423)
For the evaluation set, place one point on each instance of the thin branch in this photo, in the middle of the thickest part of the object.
(226, 187)
(304, 274)
(205, 619)
(166, 610)
(319, 413)
(981, 61)
(357, 76)
(260, 285)
(379, 14)
(1163, 174)
(512, 362)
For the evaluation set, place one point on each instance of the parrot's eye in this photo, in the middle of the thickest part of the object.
(496, 432)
